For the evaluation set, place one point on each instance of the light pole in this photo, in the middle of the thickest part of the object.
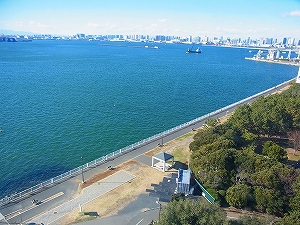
(82, 169)
(157, 202)
(20, 216)
(162, 137)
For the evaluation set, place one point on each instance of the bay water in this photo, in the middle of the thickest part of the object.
(60, 100)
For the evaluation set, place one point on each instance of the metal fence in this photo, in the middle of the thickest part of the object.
(103, 159)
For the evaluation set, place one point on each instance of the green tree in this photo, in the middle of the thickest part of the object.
(291, 101)
(212, 122)
(269, 116)
(266, 178)
(249, 220)
(290, 219)
(274, 151)
(190, 212)
(294, 201)
(241, 118)
(239, 195)
(214, 169)
(203, 137)
(268, 200)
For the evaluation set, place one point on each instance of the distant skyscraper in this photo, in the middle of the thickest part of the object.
(291, 41)
(284, 41)
(248, 41)
(197, 39)
(80, 36)
(277, 54)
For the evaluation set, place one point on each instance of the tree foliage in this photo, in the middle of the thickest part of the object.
(292, 218)
(190, 212)
(249, 220)
(268, 200)
(271, 115)
(274, 151)
(239, 195)
(228, 156)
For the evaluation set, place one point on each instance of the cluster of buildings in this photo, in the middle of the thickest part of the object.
(287, 42)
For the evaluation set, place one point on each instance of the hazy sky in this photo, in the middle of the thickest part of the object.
(227, 18)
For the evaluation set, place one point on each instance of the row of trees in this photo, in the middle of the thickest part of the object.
(243, 159)
(190, 212)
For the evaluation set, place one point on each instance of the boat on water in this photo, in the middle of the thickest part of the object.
(155, 47)
(198, 50)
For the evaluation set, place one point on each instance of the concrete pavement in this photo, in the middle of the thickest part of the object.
(90, 193)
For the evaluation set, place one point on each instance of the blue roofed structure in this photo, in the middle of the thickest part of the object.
(183, 182)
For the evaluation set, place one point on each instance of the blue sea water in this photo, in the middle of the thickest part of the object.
(60, 100)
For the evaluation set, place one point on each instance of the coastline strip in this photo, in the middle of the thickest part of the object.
(290, 63)
(183, 128)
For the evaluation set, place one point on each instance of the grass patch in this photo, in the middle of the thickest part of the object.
(184, 136)
(180, 154)
(85, 216)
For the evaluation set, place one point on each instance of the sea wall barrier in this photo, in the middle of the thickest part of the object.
(39, 187)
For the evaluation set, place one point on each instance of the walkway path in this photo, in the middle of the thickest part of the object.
(89, 194)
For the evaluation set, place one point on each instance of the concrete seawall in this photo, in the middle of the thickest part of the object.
(276, 61)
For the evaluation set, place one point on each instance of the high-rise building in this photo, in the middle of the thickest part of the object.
(80, 36)
(291, 41)
(248, 41)
(284, 41)
(197, 39)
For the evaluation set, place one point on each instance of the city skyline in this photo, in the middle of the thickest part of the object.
(225, 18)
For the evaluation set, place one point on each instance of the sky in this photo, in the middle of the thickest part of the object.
(212, 18)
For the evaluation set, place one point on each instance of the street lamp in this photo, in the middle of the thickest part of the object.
(162, 137)
(82, 169)
(157, 202)
(20, 216)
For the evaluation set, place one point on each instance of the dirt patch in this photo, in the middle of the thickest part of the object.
(105, 174)
(110, 203)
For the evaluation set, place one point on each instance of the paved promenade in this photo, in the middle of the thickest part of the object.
(89, 194)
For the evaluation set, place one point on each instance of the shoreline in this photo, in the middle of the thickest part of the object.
(275, 61)
(158, 138)
(71, 190)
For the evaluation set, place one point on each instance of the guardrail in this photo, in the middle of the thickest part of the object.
(76, 171)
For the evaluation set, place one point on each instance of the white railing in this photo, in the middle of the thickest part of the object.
(102, 159)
